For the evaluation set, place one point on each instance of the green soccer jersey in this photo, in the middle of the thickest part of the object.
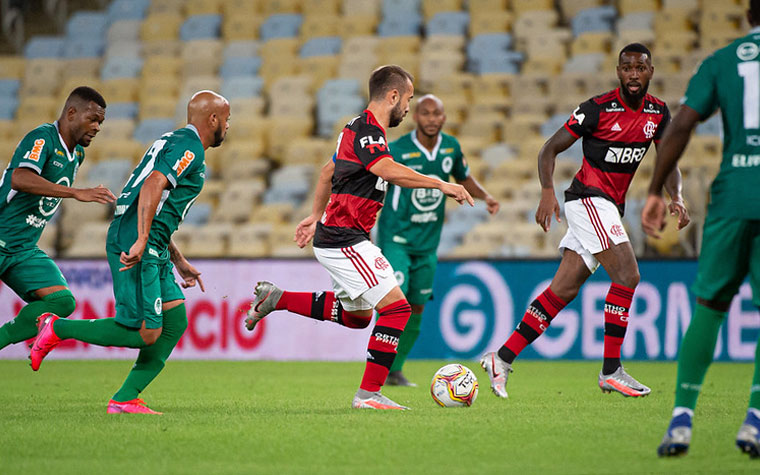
(413, 218)
(23, 216)
(179, 156)
(729, 79)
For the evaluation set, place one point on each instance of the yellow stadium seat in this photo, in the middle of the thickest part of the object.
(293, 105)
(358, 25)
(8, 146)
(322, 7)
(120, 90)
(279, 48)
(687, 5)
(162, 48)
(238, 201)
(23, 126)
(249, 128)
(248, 151)
(250, 167)
(441, 43)
(88, 238)
(548, 65)
(241, 8)
(272, 70)
(534, 22)
(646, 37)
(209, 241)
(431, 7)
(250, 240)
(270, 7)
(203, 7)
(637, 6)
(7, 131)
(12, 67)
(116, 129)
(674, 43)
(594, 42)
(157, 86)
(44, 109)
(194, 84)
(672, 20)
(240, 27)
(570, 8)
(361, 7)
(478, 6)
(290, 85)
(490, 22)
(398, 44)
(358, 67)
(522, 6)
(41, 76)
(316, 25)
(81, 67)
(161, 26)
(209, 50)
(283, 131)
(72, 83)
(320, 68)
(408, 61)
(718, 39)
(166, 6)
(157, 108)
(162, 67)
(117, 148)
(308, 150)
(545, 43)
(360, 45)
(247, 107)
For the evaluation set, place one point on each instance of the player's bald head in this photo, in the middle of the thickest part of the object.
(431, 99)
(204, 104)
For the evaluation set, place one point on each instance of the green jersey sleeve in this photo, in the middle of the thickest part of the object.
(34, 150)
(176, 162)
(702, 91)
(461, 170)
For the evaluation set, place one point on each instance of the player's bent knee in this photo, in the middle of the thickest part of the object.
(150, 336)
(61, 303)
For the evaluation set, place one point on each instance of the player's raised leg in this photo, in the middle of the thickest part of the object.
(57, 300)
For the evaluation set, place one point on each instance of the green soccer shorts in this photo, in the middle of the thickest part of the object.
(730, 251)
(141, 291)
(414, 273)
(27, 271)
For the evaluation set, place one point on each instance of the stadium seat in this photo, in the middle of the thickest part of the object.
(321, 7)
(198, 214)
(448, 23)
(150, 130)
(9, 87)
(636, 21)
(284, 25)
(8, 106)
(88, 240)
(361, 7)
(208, 241)
(522, 6)
(358, 25)
(329, 110)
(238, 27)
(161, 26)
(325, 46)
(238, 201)
(400, 26)
(88, 25)
(120, 90)
(199, 27)
(127, 10)
(125, 49)
(112, 172)
(485, 21)
(45, 47)
(401, 6)
(203, 7)
(430, 8)
(240, 66)
(122, 110)
(121, 68)
(340, 86)
(12, 67)
(712, 126)
(159, 108)
(83, 47)
(570, 8)
(250, 240)
(584, 63)
(594, 20)
(321, 25)
(242, 87)
(626, 7)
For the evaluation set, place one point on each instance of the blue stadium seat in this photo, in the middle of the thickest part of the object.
(200, 27)
(330, 109)
(151, 129)
(400, 27)
(124, 30)
(87, 24)
(8, 106)
(198, 214)
(712, 126)
(489, 45)
(84, 47)
(127, 10)
(125, 49)
(112, 173)
(282, 25)
(584, 63)
(339, 87)
(242, 86)
(44, 47)
(594, 19)
(241, 49)
(122, 110)
(391, 7)
(636, 21)
(499, 62)
(123, 67)
(553, 123)
(9, 87)
(324, 46)
(240, 67)
(448, 23)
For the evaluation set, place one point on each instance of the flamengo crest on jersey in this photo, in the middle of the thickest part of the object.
(357, 194)
(615, 140)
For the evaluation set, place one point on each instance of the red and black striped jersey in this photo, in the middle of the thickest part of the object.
(615, 139)
(357, 194)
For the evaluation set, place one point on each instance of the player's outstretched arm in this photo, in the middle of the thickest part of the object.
(547, 156)
(669, 151)
(306, 228)
(190, 275)
(147, 203)
(674, 187)
(476, 190)
(28, 181)
(405, 177)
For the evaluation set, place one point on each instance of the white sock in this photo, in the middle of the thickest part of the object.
(677, 411)
(754, 411)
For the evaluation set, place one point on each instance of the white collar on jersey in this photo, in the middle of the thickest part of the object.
(69, 155)
(430, 156)
(192, 127)
(754, 30)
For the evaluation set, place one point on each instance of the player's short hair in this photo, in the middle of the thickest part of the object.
(87, 94)
(635, 48)
(387, 78)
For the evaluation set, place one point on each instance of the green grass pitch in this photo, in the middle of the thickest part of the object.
(271, 417)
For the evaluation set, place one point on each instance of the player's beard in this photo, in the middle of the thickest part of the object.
(634, 97)
(397, 115)
(218, 136)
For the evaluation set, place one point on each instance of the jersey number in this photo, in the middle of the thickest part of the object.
(152, 153)
(750, 71)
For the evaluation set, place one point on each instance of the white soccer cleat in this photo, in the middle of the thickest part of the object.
(622, 382)
(369, 400)
(265, 298)
(498, 371)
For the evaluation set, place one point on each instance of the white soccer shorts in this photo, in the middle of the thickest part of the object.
(593, 225)
(360, 274)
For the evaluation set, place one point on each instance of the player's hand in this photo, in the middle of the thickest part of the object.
(190, 275)
(492, 204)
(305, 231)
(458, 192)
(547, 207)
(677, 207)
(653, 216)
(134, 256)
(99, 194)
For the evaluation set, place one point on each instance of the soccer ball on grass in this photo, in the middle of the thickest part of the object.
(454, 385)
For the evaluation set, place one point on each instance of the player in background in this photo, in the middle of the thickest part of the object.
(617, 128)
(362, 278)
(409, 228)
(41, 173)
(150, 308)
(728, 80)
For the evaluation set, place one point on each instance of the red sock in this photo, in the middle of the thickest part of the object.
(616, 307)
(381, 350)
(536, 320)
(320, 306)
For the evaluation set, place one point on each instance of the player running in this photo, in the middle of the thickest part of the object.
(150, 308)
(362, 278)
(617, 128)
(409, 228)
(41, 172)
(729, 79)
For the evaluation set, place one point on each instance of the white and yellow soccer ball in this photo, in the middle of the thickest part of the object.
(454, 385)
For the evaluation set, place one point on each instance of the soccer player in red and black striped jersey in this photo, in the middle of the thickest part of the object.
(617, 128)
(349, 194)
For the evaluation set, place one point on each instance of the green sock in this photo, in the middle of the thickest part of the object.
(101, 332)
(754, 392)
(407, 340)
(24, 325)
(696, 354)
(151, 359)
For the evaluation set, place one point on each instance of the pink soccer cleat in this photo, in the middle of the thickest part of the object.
(135, 406)
(46, 339)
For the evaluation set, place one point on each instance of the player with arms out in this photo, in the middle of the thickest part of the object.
(409, 228)
(150, 306)
(728, 80)
(617, 128)
(362, 278)
(39, 175)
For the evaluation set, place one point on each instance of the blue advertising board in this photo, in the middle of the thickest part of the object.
(477, 304)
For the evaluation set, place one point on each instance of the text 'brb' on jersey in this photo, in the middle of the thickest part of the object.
(23, 216)
(357, 194)
(179, 156)
(615, 139)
